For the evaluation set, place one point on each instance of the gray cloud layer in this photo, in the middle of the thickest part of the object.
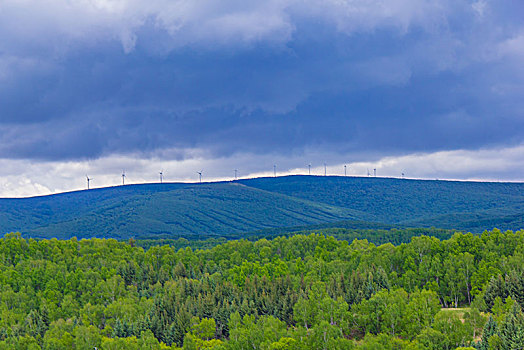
(87, 79)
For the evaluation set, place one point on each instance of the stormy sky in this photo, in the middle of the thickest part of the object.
(431, 88)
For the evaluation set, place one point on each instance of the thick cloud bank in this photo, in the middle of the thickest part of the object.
(87, 79)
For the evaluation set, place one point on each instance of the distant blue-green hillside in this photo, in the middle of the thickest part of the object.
(468, 206)
(265, 204)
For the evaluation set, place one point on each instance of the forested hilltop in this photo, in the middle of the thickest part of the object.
(235, 209)
(301, 292)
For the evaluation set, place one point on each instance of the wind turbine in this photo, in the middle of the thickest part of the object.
(368, 172)
(325, 169)
(236, 171)
(402, 175)
(88, 179)
(161, 176)
(375, 172)
(275, 170)
(123, 177)
(200, 175)
(309, 168)
(345, 171)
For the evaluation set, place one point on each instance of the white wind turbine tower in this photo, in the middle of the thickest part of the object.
(161, 173)
(375, 172)
(123, 177)
(88, 179)
(345, 171)
(274, 170)
(325, 169)
(200, 175)
(309, 168)
(236, 171)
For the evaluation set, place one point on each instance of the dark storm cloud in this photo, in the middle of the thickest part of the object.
(281, 77)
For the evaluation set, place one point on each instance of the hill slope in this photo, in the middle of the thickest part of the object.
(473, 206)
(234, 208)
(166, 210)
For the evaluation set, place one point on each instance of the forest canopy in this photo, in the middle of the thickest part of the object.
(299, 292)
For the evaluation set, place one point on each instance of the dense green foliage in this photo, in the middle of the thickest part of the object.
(301, 292)
(377, 236)
(177, 244)
(266, 206)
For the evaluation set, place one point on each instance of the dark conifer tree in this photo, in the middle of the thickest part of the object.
(489, 330)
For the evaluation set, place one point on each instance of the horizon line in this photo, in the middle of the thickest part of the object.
(264, 177)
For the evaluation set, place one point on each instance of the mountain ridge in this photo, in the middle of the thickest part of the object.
(231, 208)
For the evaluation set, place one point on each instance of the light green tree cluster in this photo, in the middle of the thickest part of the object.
(301, 292)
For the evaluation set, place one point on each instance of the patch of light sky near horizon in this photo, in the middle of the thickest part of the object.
(22, 178)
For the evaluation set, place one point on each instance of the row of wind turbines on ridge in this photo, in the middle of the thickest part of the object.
(161, 174)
